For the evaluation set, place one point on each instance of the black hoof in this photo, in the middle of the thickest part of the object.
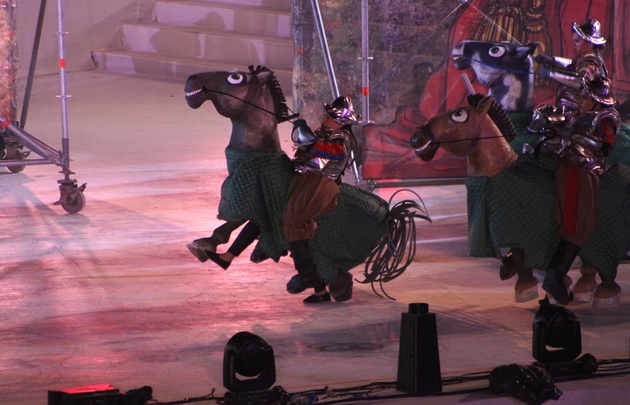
(345, 296)
(511, 264)
(258, 256)
(341, 285)
(197, 251)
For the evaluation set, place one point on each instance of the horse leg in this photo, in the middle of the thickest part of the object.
(203, 247)
(526, 287)
(246, 237)
(512, 263)
(219, 236)
(586, 284)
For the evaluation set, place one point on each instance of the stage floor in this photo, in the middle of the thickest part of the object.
(112, 295)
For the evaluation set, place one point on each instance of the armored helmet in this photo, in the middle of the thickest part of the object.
(342, 111)
(590, 31)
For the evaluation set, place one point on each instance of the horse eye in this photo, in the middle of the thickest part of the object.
(460, 115)
(496, 51)
(236, 78)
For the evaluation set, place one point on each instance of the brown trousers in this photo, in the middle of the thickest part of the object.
(311, 196)
(575, 206)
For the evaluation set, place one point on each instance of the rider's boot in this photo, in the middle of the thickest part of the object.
(554, 282)
(320, 295)
(307, 276)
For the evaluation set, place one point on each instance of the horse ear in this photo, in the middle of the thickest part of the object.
(485, 104)
(527, 49)
(261, 73)
(264, 75)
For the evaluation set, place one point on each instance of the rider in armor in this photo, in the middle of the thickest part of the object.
(571, 74)
(586, 65)
(581, 129)
(585, 140)
(321, 158)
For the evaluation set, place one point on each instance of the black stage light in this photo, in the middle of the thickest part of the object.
(557, 337)
(249, 369)
(419, 357)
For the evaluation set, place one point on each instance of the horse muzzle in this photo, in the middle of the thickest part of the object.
(422, 142)
(195, 92)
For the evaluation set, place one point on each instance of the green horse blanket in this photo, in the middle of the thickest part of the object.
(256, 189)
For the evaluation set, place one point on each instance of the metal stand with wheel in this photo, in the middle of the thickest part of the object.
(12, 134)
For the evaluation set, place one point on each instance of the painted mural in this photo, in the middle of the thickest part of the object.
(414, 76)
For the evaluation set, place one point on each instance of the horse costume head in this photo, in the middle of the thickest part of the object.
(479, 131)
(253, 101)
(505, 68)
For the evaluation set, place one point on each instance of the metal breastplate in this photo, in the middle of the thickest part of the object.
(584, 141)
(328, 167)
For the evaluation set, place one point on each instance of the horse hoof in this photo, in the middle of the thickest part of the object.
(612, 302)
(206, 244)
(584, 296)
(258, 256)
(526, 287)
(584, 288)
(607, 295)
(345, 296)
(527, 294)
(512, 263)
(341, 285)
(197, 251)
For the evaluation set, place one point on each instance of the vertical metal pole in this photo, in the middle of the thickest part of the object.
(330, 69)
(33, 63)
(322, 38)
(365, 61)
(65, 143)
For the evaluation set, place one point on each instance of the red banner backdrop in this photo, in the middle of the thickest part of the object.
(386, 149)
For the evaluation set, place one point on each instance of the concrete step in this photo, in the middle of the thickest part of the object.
(212, 46)
(192, 36)
(225, 17)
(172, 69)
(266, 4)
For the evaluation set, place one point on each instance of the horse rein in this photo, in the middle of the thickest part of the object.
(279, 117)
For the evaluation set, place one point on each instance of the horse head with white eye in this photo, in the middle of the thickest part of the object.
(504, 67)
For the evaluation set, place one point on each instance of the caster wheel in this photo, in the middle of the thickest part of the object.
(73, 203)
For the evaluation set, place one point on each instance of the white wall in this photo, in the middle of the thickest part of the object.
(91, 25)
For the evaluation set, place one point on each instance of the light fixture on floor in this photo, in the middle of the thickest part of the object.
(249, 370)
(557, 337)
(419, 357)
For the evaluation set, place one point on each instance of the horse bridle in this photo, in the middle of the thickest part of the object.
(247, 100)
